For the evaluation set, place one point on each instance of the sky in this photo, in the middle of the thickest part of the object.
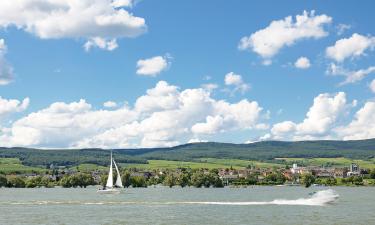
(155, 73)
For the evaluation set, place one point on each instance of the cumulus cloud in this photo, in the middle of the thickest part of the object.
(372, 86)
(102, 43)
(302, 63)
(269, 41)
(8, 106)
(110, 104)
(341, 28)
(243, 114)
(100, 22)
(352, 47)
(210, 86)
(362, 126)
(152, 66)
(62, 124)
(320, 119)
(352, 76)
(6, 70)
(164, 116)
(122, 3)
(232, 79)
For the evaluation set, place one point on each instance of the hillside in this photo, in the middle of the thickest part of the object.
(262, 151)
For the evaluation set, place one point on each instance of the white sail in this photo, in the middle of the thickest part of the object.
(110, 176)
(118, 179)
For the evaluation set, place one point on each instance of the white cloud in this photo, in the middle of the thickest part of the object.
(99, 42)
(302, 63)
(62, 124)
(8, 106)
(320, 119)
(164, 116)
(341, 28)
(122, 3)
(3, 47)
(6, 70)
(210, 86)
(98, 21)
(358, 75)
(362, 126)
(280, 129)
(352, 47)
(196, 140)
(242, 115)
(269, 41)
(211, 125)
(162, 97)
(152, 66)
(110, 104)
(372, 86)
(232, 79)
(267, 62)
(351, 76)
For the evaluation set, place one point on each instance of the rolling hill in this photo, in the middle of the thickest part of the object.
(261, 151)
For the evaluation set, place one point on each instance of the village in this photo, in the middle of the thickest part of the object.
(134, 177)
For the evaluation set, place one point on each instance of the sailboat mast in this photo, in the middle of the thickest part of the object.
(110, 175)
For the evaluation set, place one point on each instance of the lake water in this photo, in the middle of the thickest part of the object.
(161, 205)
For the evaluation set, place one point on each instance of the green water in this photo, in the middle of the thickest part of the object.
(252, 205)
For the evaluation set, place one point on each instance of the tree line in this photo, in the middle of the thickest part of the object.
(182, 177)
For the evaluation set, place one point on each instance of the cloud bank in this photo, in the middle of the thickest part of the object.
(100, 22)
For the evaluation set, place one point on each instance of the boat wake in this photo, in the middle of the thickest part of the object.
(320, 198)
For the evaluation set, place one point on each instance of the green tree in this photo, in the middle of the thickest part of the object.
(183, 179)
(74, 181)
(46, 182)
(33, 182)
(16, 182)
(103, 180)
(307, 179)
(372, 174)
(197, 179)
(3, 181)
(275, 178)
(138, 181)
(357, 180)
(65, 181)
(153, 181)
(126, 181)
(170, 180)
(252, 179)
(216, 181)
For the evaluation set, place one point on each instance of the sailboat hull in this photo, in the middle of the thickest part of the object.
(109, 191)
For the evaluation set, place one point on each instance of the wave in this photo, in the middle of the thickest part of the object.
(319, 198)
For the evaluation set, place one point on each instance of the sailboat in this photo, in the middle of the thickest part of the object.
(110, 187)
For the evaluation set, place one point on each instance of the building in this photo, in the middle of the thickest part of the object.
(228, 178)
(340, 172)
(354, 170)
(298, 170)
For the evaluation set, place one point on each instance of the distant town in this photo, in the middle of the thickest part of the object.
(293, 175)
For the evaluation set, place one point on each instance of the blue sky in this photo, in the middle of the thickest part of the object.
(197, 40)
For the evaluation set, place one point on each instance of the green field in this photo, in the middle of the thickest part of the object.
(13, 165)
(167, 164)
(87, 167)
(335, 162)
(240, 163)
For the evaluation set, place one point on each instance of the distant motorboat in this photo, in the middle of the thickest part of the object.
(111, 188)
